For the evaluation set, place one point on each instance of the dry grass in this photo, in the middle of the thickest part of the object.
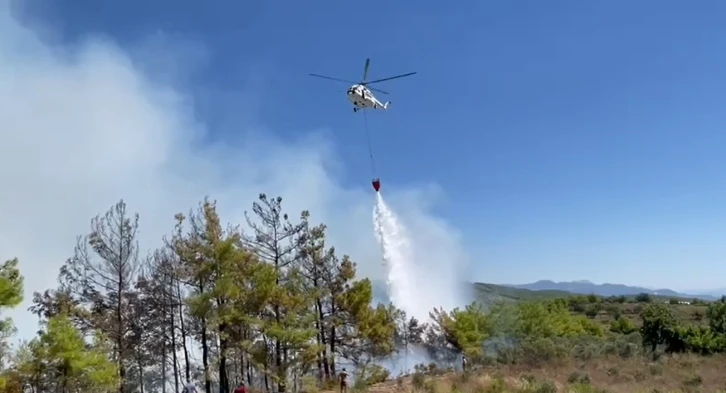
(682, 373)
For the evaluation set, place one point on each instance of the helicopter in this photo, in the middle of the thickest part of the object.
(360, 95)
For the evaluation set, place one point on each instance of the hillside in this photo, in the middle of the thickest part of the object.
(606, 289)
(488, 293)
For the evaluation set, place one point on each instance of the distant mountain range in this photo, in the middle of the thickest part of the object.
(587, 287)
(544, 289)
(711, 292)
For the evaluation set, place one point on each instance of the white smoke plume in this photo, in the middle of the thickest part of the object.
(85, 123)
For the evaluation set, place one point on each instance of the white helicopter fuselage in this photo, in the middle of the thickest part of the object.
(362, 98)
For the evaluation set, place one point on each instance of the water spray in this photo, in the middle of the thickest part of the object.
(397, 260)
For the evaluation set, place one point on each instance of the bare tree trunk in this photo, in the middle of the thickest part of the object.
(332, 351)
(163, 360)
(267, 380)
(173, 344)
(223, 344)
(205, 357)
(278, 353)
(249, 371)
(267, 363)
(141, 375)
(121, 328)
(187, 372)
(319, 356)
(323, 341)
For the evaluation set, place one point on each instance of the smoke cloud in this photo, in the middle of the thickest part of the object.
(82, 126)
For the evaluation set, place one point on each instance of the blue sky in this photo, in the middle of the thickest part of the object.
(571, 139)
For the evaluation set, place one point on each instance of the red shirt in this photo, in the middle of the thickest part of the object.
(240, 389)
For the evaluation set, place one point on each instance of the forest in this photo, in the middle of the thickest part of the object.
(273, 305)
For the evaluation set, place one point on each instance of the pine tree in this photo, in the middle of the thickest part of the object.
(188, 247)
(464, 330)
(59, 360)
(104, 278)
(266, 305)
(315, 266)
(11, 295)
(289, 322)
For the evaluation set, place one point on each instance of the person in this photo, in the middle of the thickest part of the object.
(343, 381)
(189, 388)
(240, 388)
(463, 363)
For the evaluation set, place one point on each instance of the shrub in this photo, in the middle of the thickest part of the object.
(614, 311)
(693, 380)
(586, 351)
(373, 374)
(543, 350)
(643, 298)
(622, 326)
(418, 380)
(497, 386)
(540, 387)
(592, 311)
(579, 377)
(655, 369)
(578, 307)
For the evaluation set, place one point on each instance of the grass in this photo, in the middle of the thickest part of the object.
(684, 373)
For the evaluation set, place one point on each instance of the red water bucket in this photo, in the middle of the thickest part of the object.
(376, 184)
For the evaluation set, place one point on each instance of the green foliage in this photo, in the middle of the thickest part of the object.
(659, 325)
(273, 304)
(11, 295)
(552, 319)
(60, 360)
(643, 298)
(374, 336)
(716, 314)
(697, 339)
(11, 284)
(465, 330)
(620, 299)
(622, 326)
(592, 310)
(371, 374)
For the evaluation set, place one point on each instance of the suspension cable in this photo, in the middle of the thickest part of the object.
(370, 146)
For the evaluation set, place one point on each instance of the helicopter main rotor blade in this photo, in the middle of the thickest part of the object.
(365, 70)
(332, 79)
(388, 79)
